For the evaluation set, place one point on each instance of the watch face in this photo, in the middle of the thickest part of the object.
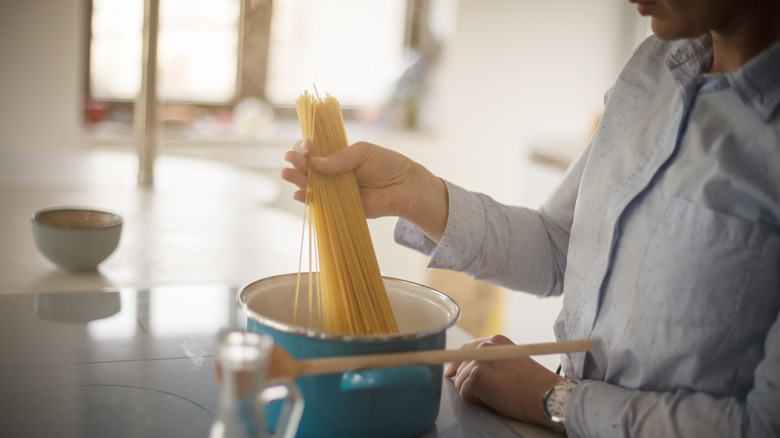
(555, 404)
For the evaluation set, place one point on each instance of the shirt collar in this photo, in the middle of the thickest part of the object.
(757, 83)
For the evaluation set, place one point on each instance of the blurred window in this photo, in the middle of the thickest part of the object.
(198, 46)
(216, 53)
(353, 49)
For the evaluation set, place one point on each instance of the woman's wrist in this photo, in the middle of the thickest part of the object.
(428, 208)
(533, 408)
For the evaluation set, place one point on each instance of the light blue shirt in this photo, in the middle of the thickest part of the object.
(664, 238)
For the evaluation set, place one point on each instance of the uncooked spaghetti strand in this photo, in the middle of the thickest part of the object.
(351, 293)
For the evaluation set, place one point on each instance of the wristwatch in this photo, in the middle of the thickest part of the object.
(554, 404)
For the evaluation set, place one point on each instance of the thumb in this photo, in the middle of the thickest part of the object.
(343, 160)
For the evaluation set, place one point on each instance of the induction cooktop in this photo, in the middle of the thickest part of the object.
(139, 363)
(116, 363)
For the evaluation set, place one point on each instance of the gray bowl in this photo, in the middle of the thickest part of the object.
(76, 239)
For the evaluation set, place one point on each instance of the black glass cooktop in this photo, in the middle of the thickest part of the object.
(139, 363)
(120, 363)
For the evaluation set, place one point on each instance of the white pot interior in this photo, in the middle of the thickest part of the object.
(417, 308)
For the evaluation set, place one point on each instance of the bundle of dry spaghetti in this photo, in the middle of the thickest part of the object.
(350, 294)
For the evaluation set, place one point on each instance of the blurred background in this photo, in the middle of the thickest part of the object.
(497, 96)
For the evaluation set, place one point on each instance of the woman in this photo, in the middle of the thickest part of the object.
(664, 239)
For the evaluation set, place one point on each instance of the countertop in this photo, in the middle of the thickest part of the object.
(140, 363)
(128, 349)
(203, 222)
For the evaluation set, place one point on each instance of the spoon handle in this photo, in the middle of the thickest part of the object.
(435, 357)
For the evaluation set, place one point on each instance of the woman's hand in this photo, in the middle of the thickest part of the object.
(513, 387)
(390, 183)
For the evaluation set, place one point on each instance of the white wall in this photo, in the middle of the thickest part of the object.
(41, 50)
(519, 71)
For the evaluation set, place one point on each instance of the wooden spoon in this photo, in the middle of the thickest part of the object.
(282, 365)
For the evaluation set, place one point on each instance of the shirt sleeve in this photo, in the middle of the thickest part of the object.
(597, 409)
(512, 246)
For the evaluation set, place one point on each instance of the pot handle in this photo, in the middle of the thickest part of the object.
(384, 378)
(292, 406)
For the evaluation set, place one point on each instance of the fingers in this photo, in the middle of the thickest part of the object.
(298, 155)
(303, 146)
(343, 160)
(300, 196)
(467, 382)
(353, 158)
(455, 368)
(298, 158)
(451, 369)
(294, 176)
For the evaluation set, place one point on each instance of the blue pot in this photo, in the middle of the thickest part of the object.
(392, 402)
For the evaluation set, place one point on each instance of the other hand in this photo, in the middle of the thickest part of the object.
(513, 387)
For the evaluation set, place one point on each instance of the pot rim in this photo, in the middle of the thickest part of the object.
(318, 334)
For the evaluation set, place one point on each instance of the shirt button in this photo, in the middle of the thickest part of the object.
(456, 267)
(439, 261)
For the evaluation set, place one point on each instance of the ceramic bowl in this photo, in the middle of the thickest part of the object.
(76, 239)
